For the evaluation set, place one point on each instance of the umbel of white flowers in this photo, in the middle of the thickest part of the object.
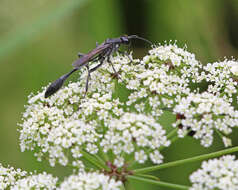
(103, 122)
(117, 122)
(219, 173)
(16, 179)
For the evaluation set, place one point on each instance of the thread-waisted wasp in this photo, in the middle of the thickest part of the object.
(100, 53)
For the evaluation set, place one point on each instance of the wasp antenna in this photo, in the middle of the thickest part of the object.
(140, 38)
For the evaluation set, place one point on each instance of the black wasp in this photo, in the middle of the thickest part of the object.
(100, 53)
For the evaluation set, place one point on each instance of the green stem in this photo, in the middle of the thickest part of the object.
(148, 176)
(185, 161)
(104, 155)
(174, 139)
(159, 183)
(102, 162)
(92, 159)
(172, 133)
(131, 163)
(219, 133)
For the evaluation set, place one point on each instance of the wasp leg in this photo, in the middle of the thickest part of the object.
(87, 80)
(125, 53)
(101, 59)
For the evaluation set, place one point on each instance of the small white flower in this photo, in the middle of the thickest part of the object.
(156, 157)
(234, 69)
(119, 162)
(140, 156)
(79, 165)
(76, 152)
(227, 141)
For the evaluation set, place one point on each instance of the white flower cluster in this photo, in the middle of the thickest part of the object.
(20, 180)
(94, 124)
(9, 176)
(66, 122)
(203, 114)
(111, 121)
(37, 181)
(90, 181)
(16, 179)
(135, 134)
(220, 174)
(223, 77)
(165, 77)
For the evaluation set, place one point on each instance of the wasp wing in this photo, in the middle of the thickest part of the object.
(90, 55)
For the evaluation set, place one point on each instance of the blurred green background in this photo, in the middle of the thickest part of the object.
(40, 39)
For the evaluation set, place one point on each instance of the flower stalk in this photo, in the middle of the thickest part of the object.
(159, 183)
(186, 161)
